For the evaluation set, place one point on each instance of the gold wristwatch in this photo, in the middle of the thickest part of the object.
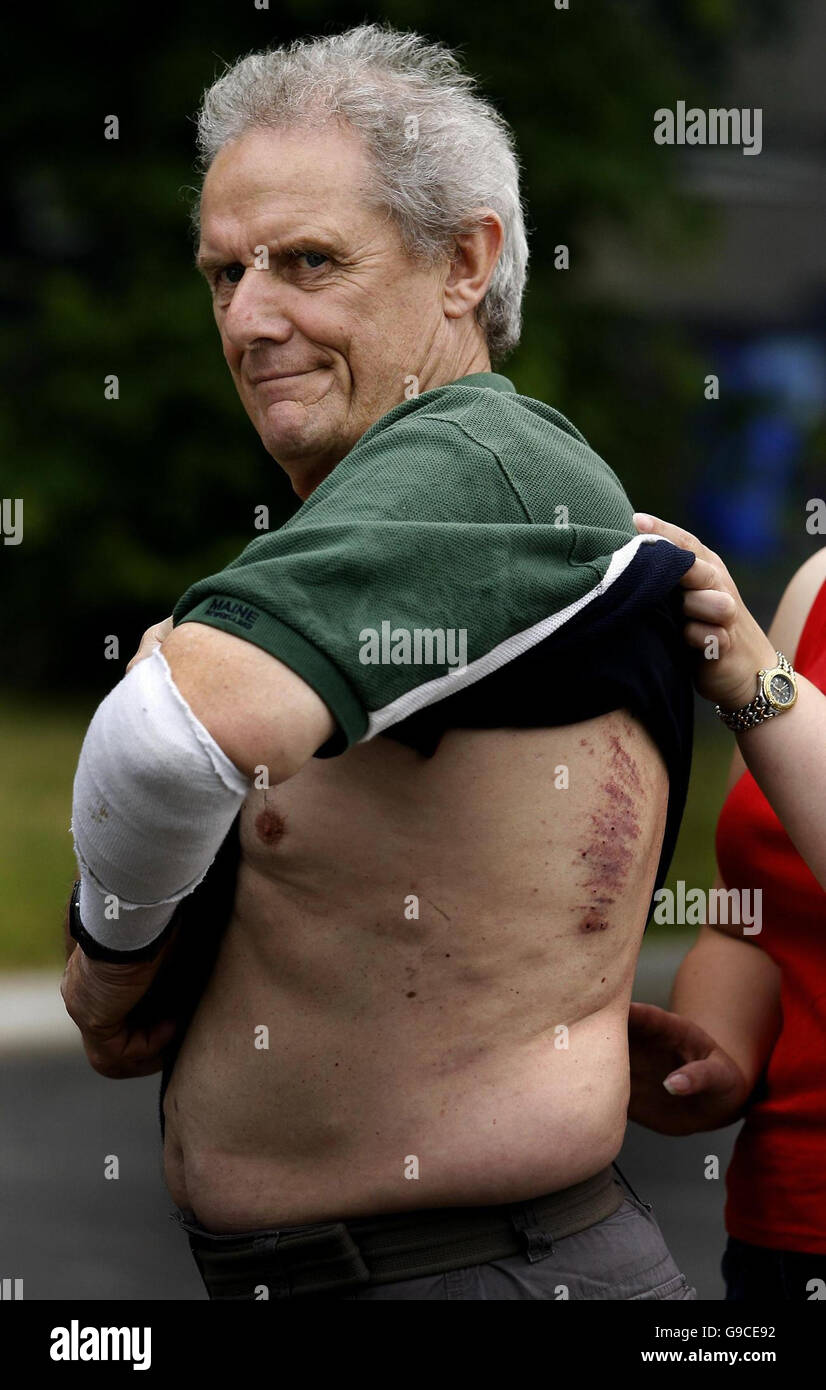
(776, 692)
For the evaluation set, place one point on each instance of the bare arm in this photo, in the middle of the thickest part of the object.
(257, 710)
(732, 990)
(786, 755)
(695, 1067)
(726, 984)
(262, 716)
(725, 1004)
(787, 758)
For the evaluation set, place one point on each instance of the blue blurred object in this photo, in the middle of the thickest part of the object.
(772, 394)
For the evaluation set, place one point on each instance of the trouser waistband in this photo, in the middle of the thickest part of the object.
(335, 1256)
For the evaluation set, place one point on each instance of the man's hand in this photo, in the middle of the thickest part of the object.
(100, 998)
(152, 638)
(706, 1088)
(715, 609)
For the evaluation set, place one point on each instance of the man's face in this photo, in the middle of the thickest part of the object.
(319, 343)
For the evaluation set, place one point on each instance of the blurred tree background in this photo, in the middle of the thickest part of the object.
(127, 502)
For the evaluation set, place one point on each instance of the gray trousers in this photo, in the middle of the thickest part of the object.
(619, 1257)
(623, 1257)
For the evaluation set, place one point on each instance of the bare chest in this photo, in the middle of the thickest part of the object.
(504, 842)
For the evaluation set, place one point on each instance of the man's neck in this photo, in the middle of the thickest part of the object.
(473, 362)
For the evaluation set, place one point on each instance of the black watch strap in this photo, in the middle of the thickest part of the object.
(95, 951)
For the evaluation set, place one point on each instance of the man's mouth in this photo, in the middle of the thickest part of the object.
(266, 377)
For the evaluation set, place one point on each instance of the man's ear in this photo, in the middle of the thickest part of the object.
(473, 263)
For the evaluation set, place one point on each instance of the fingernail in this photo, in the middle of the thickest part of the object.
(644, 520)
(677, 1085)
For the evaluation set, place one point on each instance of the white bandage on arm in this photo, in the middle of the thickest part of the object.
(154, 797)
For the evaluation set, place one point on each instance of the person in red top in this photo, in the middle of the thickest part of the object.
(746, 1034)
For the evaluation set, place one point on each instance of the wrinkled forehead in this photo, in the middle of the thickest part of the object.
(282, 176)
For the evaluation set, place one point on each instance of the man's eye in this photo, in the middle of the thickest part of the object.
(313, 258)
(232, 273)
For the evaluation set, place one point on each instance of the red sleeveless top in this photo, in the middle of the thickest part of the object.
(776, 1181)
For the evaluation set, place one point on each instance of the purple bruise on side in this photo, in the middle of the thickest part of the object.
(609, 853)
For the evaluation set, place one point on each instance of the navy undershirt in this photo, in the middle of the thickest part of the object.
(638, 662)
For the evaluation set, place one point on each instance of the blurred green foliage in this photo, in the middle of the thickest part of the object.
(128, 502)
(40, 744)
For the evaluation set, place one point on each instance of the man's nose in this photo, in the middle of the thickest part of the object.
(257, 310)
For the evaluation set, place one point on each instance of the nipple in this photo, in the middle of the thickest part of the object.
(269, 826)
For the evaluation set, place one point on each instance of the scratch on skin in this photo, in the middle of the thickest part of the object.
(438, 909)
(609, 853)
(592, 922)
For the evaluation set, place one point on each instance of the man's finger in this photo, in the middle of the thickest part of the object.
(152, 1040)
(148, 644)
(152, 638)
(125, 1055)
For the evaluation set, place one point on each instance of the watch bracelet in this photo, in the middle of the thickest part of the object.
(758, 709)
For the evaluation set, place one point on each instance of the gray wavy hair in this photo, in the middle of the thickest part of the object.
(439, 150)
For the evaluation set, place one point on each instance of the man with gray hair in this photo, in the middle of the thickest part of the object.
(393, 904)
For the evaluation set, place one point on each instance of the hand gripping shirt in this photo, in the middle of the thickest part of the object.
(470, 563)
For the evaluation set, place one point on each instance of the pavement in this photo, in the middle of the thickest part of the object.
(70, 1232)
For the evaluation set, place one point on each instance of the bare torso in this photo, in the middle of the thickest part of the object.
(480, 1044)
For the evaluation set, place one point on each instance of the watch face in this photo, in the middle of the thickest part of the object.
(781, 690)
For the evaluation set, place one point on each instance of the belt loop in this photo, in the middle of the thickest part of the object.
(647, 1205)
(266, 1243)
(276, 1280)
(539, 1244)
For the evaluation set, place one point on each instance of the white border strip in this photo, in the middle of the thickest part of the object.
(441, 686)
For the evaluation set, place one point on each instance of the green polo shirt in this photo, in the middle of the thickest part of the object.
(467, 525)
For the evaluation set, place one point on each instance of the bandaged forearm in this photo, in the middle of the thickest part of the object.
(154, 798)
